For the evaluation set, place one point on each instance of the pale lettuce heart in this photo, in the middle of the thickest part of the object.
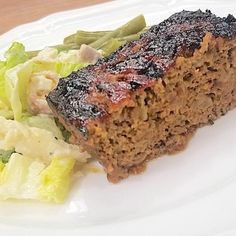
(55, 180)
(37, 164)
(16, 84)
(26, 178)
(14, 55)
(44, 122)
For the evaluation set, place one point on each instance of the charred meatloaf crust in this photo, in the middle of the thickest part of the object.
(148, 98)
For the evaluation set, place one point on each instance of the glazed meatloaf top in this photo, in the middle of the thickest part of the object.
(94, 92)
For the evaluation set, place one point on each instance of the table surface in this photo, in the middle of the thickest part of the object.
(17, 12)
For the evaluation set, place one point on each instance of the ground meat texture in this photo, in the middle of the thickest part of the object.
(148, 98)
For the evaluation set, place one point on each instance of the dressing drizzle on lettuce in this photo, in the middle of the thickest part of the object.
(34, 163)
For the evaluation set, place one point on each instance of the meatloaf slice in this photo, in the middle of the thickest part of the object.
(148, 98)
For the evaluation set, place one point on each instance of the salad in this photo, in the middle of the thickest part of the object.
(37, 161)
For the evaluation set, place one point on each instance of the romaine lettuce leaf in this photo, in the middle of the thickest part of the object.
(2, 165)
(44, 122)
(20, 178)
(56, 179)
(65, 68)
(17, 79)
(5, 110)
(43, 171)
(27, 178)
(14, 55)
(3, 98)
(43, 143)
(5, 155)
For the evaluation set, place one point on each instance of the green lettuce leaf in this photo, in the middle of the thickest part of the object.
(56, 179)
(14, 55)
(20, 178)
(44, 122)
(42, 172)
(65, 68)
(5, 155)
(16, 86)
(17, 79)
(26, 178)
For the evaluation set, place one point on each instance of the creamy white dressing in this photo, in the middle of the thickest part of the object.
(36, 143)
(40, 84)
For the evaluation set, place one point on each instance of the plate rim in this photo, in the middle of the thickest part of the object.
(15, 30)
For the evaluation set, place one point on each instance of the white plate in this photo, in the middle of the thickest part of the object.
(192, 193)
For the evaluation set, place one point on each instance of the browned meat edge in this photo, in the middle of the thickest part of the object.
(147, 98)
